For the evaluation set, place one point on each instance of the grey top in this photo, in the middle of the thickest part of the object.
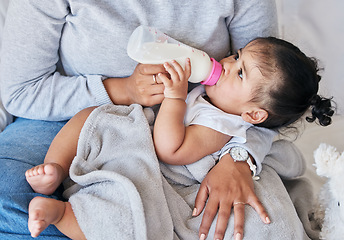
(57, 52)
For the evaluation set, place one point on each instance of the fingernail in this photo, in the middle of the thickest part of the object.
(194, 212)
(202, 237)
(238, 236)
(267, 220)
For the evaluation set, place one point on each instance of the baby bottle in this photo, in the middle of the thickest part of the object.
(149, 46)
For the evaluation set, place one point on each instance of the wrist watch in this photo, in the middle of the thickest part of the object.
(240, 154)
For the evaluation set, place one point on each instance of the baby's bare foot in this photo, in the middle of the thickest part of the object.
(43, 212)
(45, 178)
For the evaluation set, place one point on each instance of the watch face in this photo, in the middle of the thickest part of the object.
(239, 154)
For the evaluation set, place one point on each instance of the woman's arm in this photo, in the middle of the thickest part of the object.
(175, 143)
(251, 19)
(31, 86)
(43, 63)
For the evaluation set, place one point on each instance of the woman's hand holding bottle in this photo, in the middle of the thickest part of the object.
(141, 87)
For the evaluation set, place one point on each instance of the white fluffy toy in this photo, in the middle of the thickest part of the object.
(329, 211)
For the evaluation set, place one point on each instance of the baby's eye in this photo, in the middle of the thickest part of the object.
(240, 73)
(236, 56)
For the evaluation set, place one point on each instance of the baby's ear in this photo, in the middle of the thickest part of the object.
(255, 116)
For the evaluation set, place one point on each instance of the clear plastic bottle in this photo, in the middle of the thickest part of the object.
(150, 46)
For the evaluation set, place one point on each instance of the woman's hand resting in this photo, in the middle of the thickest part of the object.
(227, 183)
(139, 88)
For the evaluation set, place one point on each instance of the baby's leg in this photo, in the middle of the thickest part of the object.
(46, 211)
(45, 178)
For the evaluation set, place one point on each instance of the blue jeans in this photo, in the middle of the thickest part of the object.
(23, 144)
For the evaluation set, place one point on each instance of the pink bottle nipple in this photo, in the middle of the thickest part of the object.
(214, 74)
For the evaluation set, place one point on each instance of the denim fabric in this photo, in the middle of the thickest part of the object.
(23, 144)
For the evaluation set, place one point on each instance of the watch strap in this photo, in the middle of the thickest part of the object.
(253, 169)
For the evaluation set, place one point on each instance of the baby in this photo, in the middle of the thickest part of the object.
(269, 83)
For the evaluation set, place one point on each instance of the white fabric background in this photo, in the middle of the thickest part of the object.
(316, 26)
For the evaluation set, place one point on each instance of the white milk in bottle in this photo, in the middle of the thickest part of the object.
(149, 46)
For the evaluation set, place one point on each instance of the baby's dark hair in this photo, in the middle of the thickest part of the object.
(292, 85)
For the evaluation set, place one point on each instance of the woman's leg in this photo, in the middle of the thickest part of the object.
(23, 144)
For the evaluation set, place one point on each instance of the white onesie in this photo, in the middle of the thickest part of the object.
(199, 111)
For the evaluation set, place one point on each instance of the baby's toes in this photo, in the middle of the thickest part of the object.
(29, 173)
(40, 170)
(35, 171)
(49, 169)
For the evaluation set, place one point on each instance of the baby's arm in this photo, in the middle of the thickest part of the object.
(175, 143)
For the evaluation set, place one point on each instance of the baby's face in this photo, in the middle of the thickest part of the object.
(234, 90)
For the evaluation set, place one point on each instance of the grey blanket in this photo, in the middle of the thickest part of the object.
(121, 191)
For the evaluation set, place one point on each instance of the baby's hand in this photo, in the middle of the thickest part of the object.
(177, 85)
